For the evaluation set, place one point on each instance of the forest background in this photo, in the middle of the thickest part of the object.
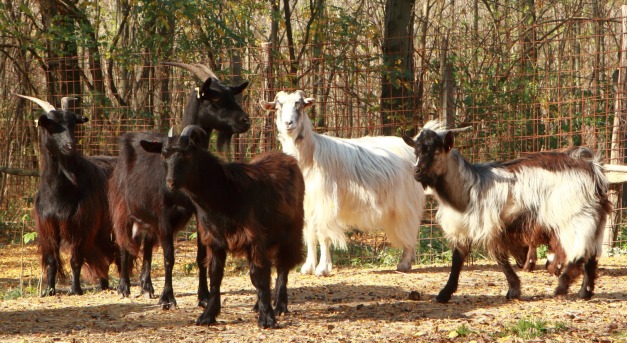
(527, 75)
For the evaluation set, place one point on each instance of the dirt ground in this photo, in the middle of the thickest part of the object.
(352, 305)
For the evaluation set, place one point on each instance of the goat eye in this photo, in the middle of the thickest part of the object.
(216, 99)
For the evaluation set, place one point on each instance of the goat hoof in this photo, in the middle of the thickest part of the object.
(443, 298)
(267, 321)
(203, 302)
(280, 309)
(307, 269)
(584, 294)
(403, 268)
(167, 302)
(48, 292)
(513, 294)
(561, 291)
(104, 284)
(124, 290)
(206, 320)
(76, 291)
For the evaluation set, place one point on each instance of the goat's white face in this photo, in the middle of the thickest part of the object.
(289, 109)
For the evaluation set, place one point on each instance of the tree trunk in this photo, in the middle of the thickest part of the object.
(397, 82)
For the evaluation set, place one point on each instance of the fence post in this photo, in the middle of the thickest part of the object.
(615, 149)
(268, 92)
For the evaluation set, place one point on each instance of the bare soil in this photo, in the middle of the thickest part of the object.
(352, 305)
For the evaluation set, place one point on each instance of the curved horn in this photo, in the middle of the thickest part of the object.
(207, 70)
(43, 103)
(461, 129)
(200, 71)
(171, 132)
(189, 128)
(65, 101)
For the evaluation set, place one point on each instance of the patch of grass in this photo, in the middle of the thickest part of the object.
(526, 328)
(529, 329)
(15, 293)
(463, 330)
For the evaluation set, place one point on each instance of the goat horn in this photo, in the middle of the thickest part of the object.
(171, 132)
(461, 129)
(65, 101)
(200, 71)
(43, 103)
(188, 129)
(207, 70)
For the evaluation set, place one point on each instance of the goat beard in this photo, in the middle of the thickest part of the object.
(69, 175)
(224, 140)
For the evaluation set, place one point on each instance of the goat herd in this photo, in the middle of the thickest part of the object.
(108, 209)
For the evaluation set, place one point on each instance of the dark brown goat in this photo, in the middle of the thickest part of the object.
(71, 203)
(142, 205)
(253, 210)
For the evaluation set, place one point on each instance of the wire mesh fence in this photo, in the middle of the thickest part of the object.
(564, 87)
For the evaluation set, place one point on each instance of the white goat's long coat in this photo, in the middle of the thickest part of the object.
(364, 182)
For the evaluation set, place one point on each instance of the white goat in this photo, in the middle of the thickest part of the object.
(555, 198)
(364, 182)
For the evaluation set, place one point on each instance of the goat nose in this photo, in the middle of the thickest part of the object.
(418, 170)
(170, 183)
(69, 146)
(246, 120)
(288, 123)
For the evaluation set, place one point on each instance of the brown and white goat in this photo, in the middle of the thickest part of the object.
(560, 196)
(250, 209)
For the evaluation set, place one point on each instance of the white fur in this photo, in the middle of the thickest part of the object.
(364, 182)
(565, 203)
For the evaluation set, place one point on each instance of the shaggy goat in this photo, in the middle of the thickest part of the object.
(71, 202)
(254, 210)
(537, 199)
(140, 202)
(365, 182)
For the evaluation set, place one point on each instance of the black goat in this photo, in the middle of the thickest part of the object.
(254, 210)
(140, 202)
(71, 203)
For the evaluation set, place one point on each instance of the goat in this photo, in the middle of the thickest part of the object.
(364, 182)
(545, 197)
(71, 202)
(140, 202)
(254, 210)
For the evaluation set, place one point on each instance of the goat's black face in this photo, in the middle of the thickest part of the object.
(430, 150)
(218, 108)
(59, 131)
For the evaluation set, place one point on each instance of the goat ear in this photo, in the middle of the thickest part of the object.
(205, 89)
(238, 89)
(44, 121)
(268, 106)
(81, 119)
(408, 140)
(309, 101)
(449, 140)
(151, 146)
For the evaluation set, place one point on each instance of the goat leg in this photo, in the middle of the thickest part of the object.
(145, 281)
(589, 276)
(408, 257)
(260, 277)
(571, 271)
(280, 297)
(167, 300)
(453, 279)
(201, 260)
(124, 287)
(217, 258)
(76, 262)
(51, 263)
(512, 279)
